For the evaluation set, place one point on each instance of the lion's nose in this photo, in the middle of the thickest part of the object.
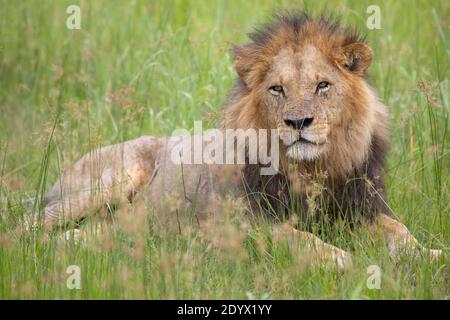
(298, 124)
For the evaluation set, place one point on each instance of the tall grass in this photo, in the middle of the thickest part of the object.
(141, 67)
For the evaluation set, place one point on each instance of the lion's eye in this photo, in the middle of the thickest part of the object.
(322, 86)
(276, 90)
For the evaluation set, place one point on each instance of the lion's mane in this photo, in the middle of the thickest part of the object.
(353, 167)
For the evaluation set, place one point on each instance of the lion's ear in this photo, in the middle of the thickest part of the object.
(244, 57)
(356, 57)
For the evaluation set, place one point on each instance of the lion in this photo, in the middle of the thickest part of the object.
(301, 76)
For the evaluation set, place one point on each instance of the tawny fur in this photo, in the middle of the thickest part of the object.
(358, 131)
(341, 172)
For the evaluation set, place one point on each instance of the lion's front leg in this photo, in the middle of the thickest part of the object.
(398, 237)
(104, 178)
(319, 251)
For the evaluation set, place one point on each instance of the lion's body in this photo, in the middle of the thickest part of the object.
(348, 174)
(107, 177)
(295, 68)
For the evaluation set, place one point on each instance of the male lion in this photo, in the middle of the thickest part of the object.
(303, 77)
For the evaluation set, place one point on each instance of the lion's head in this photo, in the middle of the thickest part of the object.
(305, 77)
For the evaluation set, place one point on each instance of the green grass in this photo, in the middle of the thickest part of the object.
(147, 68)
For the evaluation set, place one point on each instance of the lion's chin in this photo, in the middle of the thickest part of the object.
(304, 151)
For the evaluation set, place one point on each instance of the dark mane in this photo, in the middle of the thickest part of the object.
(294, 22)
(358, 191)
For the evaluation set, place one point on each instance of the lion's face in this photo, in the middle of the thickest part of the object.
(304, 95)
(306, 79)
